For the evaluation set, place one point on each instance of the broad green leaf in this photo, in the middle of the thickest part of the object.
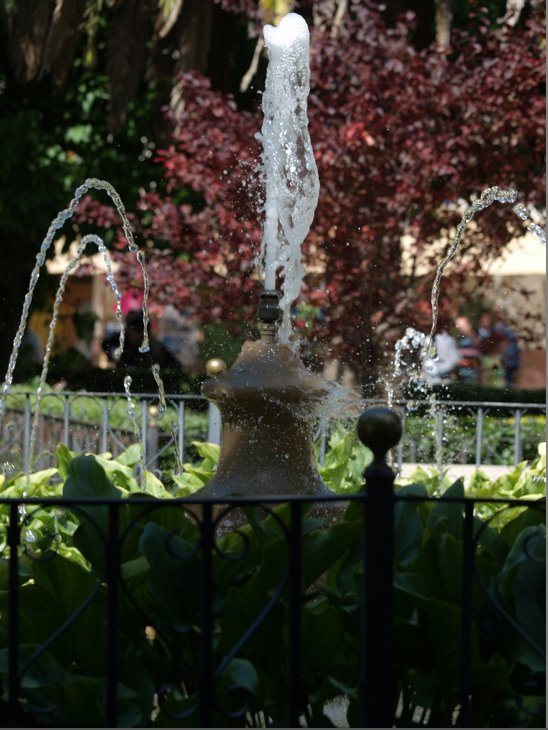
(408, 527)
(241, 673)
(448, 515)
(175, 576)
(61, 694)
(522, 588)
(517, 519)
(62, 594)
(64, 457)
(87, 478)
(131, 456)
(152, 486)
(325, 645)
(208, 450)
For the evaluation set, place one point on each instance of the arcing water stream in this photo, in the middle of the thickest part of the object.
(72, 265)
(488, 197)
(55, 226)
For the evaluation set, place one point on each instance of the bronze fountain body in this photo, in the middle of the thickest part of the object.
(269, 403)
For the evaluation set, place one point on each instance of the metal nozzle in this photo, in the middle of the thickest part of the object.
(269, 313)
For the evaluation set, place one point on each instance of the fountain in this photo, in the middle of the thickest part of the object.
(268, 400)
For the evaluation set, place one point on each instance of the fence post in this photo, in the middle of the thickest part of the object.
(295, 603)
(479, 435)
(379, 429)
(113, 555)
(152, 437)
(14, 537)
(27, 417)
(214, 367)
(518, 449)
(207, 687)
(214, 425)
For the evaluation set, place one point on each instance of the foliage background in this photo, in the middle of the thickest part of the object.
(147, 94)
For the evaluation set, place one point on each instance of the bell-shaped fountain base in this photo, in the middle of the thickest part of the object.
(269, 404)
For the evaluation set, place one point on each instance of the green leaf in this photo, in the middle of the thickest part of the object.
(152, 486)
(59, 591)
(60, 694)
(208, 450)
(325, 644)
(522, 588)
(408, 527)
(175, 576)
(64, 458)
(87, 478)
(517, 519)
(448, 515)
(242, 674)
(131, 456)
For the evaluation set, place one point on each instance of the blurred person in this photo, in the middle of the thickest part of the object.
(31, 357)
(509, 353)
(468, 367)
(490, 346)
(111, 341)
(132, 357)
(180, 335)
(499, 346)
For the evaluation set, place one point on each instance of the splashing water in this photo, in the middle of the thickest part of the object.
(291, 176)
(57, 223)
(413, 371)
(413, 341)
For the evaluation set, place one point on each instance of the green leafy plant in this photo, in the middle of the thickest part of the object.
(62, 604)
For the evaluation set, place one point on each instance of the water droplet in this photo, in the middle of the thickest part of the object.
(521, 211)
(537, 231)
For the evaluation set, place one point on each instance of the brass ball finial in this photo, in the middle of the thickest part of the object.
(379, 429)
(215, 366)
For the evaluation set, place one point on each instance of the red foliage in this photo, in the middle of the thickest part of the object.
(397, 133)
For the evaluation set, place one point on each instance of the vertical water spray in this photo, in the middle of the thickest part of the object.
(291, 176)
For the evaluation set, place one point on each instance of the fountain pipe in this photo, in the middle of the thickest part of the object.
(269, 314)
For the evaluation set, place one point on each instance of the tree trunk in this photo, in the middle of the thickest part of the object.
(514, 9)
(443, 19)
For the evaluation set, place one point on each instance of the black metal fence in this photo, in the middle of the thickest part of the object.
(185, 563)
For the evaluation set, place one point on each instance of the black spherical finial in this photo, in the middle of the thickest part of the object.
(379, 429)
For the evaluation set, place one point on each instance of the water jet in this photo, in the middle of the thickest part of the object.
(268, 400)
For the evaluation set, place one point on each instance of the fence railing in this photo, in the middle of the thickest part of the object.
(434, 432)
(168, 616)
